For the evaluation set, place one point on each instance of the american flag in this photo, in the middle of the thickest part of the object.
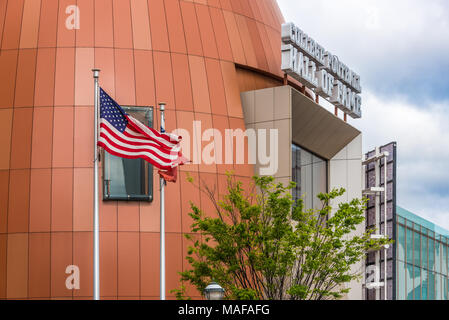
(123, 136)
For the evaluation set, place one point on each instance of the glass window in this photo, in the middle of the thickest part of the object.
(129, 179)
(425, 284)
(417, 249)
(439, 293)
(445, 289)
(438, 256)
(401, 243)
(424, 252)
(409, 272)
(409, 239)
(310, 174)
(431, 286)
(401, 290)
(431, 254)
(400, 220)
(417, 283)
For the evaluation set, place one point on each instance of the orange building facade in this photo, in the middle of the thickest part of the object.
(195, 55)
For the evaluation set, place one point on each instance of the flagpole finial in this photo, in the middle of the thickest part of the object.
(96, 73)
(162, 106)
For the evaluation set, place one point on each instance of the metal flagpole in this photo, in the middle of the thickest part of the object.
(96, 270)
(162, 229)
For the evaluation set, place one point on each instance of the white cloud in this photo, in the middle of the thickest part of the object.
(422, 135)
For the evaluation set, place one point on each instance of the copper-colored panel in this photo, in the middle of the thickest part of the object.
(271, 64)
(234, 38)
(173, 208)
(128, 264)
(158, 25)
(182, 84)
(48, 23)
(145, 89)
(61, 207)
(40, 200)
(237, 6)
(226, 5)
(82, 199)
(108, 209)
(63, 137)
(83, 258)
(190, 193)
(255, 10)
(104, 60)
(41, 152)
(242, 170)
(8, 65)
(19, 186)
(124, 77)
(216, 87)
(221, 34)
(25, 78)
(246, 8)
(232, 90)
(149, 216)
(4, 194)
(185, 121)
(66, 37)
(123, 34)
(141, 24)
(257, 44)
(214, 3)
(191, 30)
(201, 99)
(221, 123)
(84, 62)
(65, 77)
(6, 116)
(17, 266)
(104, 37)
(205, 149)
(39, 265)
(149, 264)
(21, 138)
(85, 34)
(84, 135)
(207, 31)
(30, 24)
(108, 264)
(45, 77)
(12, 28)
(247, 42)
(61, 258)
(3, 261)
(2, 20)
(175, 28)
(163, 79)
(275, 41)
(173, 262)
(128, 216)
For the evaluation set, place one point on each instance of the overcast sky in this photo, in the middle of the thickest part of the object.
(401, 50)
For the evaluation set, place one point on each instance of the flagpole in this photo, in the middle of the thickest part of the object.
(162, 229)
(96, 271)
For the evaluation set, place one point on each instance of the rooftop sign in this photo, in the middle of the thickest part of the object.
(306, 61)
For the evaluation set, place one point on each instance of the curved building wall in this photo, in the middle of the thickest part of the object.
(176, 51)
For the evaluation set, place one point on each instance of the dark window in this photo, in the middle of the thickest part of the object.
(129, 179)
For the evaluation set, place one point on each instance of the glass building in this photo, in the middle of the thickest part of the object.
(422, 258)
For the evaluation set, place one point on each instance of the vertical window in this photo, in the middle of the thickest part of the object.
(401, 243)
(417, 249)
(409, 273)
(432, 254)
(424, 252)
(310, 174)
(417, 283)
(409, 239)
(439, 293)
(425, 284)
(437, 256)
(129, 179)
(400, 287)
(431, 286)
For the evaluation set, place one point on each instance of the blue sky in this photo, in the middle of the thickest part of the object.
(401, 50)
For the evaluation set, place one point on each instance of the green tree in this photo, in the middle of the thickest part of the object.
(263, 245)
